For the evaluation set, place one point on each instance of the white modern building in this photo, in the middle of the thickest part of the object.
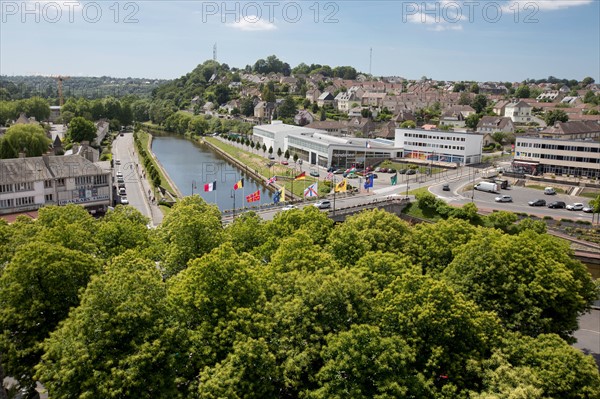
(317, 147)
(27, 184)
(462, 148)
(537, 155)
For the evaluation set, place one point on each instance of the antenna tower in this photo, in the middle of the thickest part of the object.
(370, 59)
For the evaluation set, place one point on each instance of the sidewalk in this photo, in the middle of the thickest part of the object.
(153, 210)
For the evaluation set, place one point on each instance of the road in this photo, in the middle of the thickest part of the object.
(137, 188)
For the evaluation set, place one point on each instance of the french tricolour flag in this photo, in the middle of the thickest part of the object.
(210, 186)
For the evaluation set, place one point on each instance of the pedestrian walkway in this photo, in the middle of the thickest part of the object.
(153, 211)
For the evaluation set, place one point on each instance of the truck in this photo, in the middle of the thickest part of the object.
(487, 186)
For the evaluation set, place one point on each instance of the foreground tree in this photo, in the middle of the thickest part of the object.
(533, 289)
(117, 343)
(40, 285)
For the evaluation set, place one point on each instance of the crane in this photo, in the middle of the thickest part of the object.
(60, 79)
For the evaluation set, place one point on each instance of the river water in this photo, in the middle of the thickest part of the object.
(191, 165)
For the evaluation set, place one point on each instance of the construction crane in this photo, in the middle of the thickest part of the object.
(60, 79)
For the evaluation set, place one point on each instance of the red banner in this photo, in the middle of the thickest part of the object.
(255, 196)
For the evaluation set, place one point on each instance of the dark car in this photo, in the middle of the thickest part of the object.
(331, 169)
(557, 204)
(411, 172)
(391, 170)
(446, 187)
(403, 171)
(537, 202)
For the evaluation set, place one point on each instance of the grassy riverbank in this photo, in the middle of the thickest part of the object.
(145, 141)
(258, 164)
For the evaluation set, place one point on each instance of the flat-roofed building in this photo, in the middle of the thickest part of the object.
(574, 157)
(462, 148)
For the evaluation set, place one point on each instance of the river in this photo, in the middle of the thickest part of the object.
(191, 165)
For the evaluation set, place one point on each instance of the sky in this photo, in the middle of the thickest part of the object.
(481, 40)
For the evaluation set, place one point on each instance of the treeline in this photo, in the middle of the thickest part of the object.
(148, 164)
(22, 87)
(33, 107)
(184, 122)
(288, 308)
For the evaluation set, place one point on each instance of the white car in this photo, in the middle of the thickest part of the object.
(323, 204)
(124, 200)
(289, 207)
(503, 198)
(578, 206)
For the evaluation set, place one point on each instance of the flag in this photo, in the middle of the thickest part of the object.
(210, 186)
(341, 187)
(394, 180)
(369, 181)
(255, 196)
(271, 180)
(301, 176)
(368, 145)
(239, 184)
(277, 197)
(282, 197)
(311, 191)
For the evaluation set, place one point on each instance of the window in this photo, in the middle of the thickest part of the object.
(24, 201)
(48, 197)
(6, 188)
(7, 203)
(27, 186)
(60, 182)
(47, 183)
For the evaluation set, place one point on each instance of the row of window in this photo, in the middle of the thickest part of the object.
(16, 187)
(91, 180)
(559, 147)
(558, 157)
(430, 137)
(15, 202)
(440, 146)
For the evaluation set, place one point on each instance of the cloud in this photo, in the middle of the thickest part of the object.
(440, 16)
(446, 27)
(252, 23)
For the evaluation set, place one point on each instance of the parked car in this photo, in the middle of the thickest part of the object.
(411, 172)
(383, 170)
(588, 209)
(537, 202)
(284, 162)
(289, 207)
(117, 162)
(446, 187)
(314, 173)
(549, 191)
(338, 171)
(503, 198)
(323, 204)
(122, 191)
(331, 169)
(403, 171)
(578, 206)
(391, 170)
(378, 169)
(557, 204)
(124, 200)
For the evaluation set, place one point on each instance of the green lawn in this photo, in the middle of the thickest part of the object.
(413, 210)
(539, 187)
(257, 162)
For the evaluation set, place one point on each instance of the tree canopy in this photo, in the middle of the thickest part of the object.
(291, 307)
(81, 129)
(30, 139)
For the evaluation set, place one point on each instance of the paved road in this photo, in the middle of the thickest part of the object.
(588, 335)
(137, 188)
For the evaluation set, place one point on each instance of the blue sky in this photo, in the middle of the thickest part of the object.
(447, 40)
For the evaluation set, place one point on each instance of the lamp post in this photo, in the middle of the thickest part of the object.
(193, 186)
(233, 196)
(334, 193)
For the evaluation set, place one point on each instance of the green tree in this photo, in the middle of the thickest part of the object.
(523, 92)
(80, 129)
(279, 152)
(474, 88)
(288, 108)
(264, 148)
(120, 331)
(286, 155)
(191, 229)
(465, 99)
(361, 363)
(408, 124)
(479, 103)
(38, 108)
(472, 120)
(555, 115)
(362, 233)
(463, 333)
(591, 98)
(30, 139)
(545, 367)
(587, 81)
(534, 289)
(40, 285)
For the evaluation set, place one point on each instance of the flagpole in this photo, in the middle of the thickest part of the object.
(243, 193)
(215, 187)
